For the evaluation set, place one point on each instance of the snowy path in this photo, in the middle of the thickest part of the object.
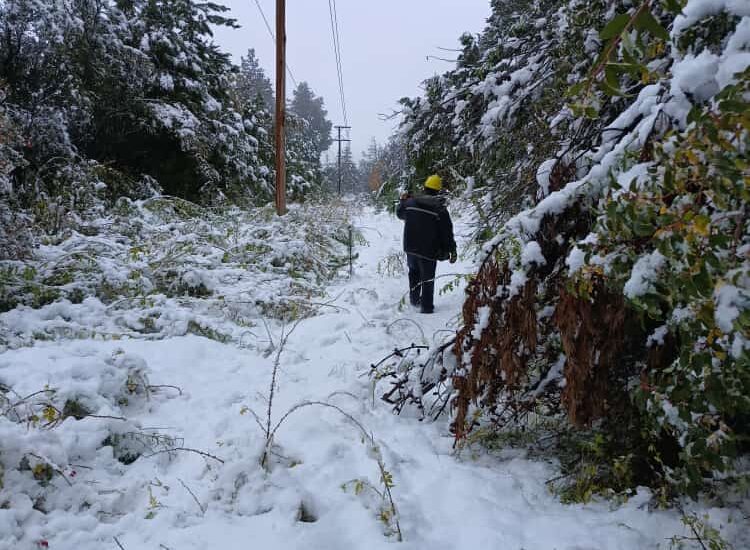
(444, 502)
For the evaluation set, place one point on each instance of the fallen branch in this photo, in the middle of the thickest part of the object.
(186, 449)
(403, 390)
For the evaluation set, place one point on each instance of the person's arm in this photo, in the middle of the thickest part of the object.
(446, 231)
(401, 208)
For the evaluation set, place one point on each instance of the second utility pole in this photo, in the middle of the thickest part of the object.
(280, 107)
(339, 128)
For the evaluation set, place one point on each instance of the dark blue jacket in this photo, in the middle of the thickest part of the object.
(428, 231)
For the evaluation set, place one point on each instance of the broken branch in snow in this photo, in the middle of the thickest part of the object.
(186, 449)
(160, 386)
(395, 353)
(413, 382)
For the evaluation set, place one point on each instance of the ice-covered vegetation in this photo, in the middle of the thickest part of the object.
(158, 272)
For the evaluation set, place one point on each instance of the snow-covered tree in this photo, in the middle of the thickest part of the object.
(252, 81)
(346, 172)
(304, 171)
(305, 104)
(138, 85)
(603, 145)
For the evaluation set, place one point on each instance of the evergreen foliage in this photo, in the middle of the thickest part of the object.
(350, 172)
(306, 105)
(136, 86)
(104, 99)
(252, 82)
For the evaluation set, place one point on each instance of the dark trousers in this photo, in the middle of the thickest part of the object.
(421, 281)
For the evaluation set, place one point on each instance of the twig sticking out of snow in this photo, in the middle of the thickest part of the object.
(186, 449)
(192, 494)
(160, 386)
(272, 390)
(367, 435)
(270, 433)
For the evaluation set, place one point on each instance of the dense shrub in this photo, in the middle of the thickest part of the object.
(621, 297)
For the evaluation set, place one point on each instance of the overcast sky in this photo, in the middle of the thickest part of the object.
(385, 44)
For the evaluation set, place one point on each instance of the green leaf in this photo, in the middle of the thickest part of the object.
(674, 6)
(647, 22)
(703, 282)
(695, 115)
(643, 228)
(575, 89)
(734, 106)
(629, 47)
(615, 26)
(612, 78)
(591, 112)
(607, 89)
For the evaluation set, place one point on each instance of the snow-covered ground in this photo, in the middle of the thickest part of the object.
(318, 490)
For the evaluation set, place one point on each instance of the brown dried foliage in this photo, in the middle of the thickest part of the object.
(495, 367)
(591, 331)
(498, 359)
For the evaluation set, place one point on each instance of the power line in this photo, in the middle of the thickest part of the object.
(333, 12)
(341, 68)
(273, 37)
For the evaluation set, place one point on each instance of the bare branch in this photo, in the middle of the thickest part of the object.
(195, 498)
(186, 449)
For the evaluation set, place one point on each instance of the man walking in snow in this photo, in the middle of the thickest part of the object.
(428, 237)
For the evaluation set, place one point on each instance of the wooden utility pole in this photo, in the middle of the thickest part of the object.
(280, 107)
(339, 140)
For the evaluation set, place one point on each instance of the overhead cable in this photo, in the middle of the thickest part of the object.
(273, 37)
(333, 12)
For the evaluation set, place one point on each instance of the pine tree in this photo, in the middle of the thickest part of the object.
(252, 81)
(350, 175)
(311, 108)
(304, 170)
(138, 85)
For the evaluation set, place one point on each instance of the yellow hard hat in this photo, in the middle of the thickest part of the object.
(434, 182)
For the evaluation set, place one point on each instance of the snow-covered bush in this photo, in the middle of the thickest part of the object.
(129, 272)
(621, 297)
(52, 423)
(489, 124)
(673, 236)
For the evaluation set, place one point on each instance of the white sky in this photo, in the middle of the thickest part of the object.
(384, 48)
